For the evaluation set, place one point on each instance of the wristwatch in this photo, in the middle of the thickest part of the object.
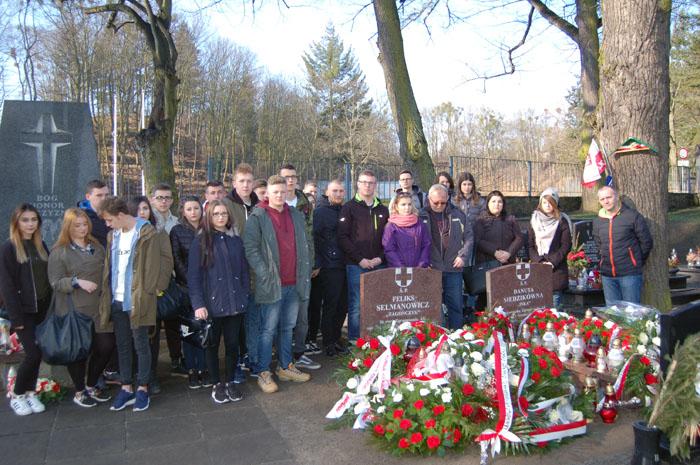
(74, 282)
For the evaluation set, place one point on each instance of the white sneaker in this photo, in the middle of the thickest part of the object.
(306, 362)
(20, 406)
(34, 403)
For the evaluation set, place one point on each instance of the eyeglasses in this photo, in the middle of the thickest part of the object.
(405, 179)
(291, 177)
(220, 214)
(162, 198)
(367, 183)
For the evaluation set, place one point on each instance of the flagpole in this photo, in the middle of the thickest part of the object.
(114, 147)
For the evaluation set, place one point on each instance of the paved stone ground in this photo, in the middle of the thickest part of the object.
(287, 428)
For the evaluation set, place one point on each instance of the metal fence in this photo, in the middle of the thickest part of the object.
(516, 178)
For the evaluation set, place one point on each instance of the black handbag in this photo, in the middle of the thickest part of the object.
(173, 302)
(475, 276)
(195, 331)
(64, 339)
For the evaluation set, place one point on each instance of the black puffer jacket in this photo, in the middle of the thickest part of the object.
(181, 237)
(360, 230)
(17, 284)
(559, 248)
(325, 226)
(496, 233)
(624, 241)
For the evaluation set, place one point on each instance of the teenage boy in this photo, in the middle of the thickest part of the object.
(95, 194)
(136, 270)
(214, 190)
(161, 202)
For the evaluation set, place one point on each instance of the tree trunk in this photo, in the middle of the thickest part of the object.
(413, 147)
(588, 47)
(635, 103)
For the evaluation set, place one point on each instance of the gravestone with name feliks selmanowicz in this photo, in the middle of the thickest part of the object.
(519, 288)
(399, 294)
(583, 235)
(47, 154)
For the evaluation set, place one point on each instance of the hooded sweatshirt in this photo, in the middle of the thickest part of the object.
(284, 230)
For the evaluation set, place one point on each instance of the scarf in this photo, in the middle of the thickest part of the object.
(403, 221)
(545, 227)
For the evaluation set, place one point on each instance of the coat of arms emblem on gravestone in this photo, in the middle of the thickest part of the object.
(522, 271)
(403, 277)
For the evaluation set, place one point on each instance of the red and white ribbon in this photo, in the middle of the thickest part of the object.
(557, 432)
(505, 407)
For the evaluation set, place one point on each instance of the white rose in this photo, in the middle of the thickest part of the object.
(656, 340)
(553, 416)
(352, 383)
(643, 338)
(424, 392)
(469, 336)
(446, 397)
(477, 369)
(397, 398)
(455, 335)
(476, 356)
(649, 325)
(453, 351)
(513, 380)
(410, 387)
(381, 409)
(641, 349)
(609, 324)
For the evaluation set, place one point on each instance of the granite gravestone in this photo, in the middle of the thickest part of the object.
(519, 288)
(523, 254)
(583, 235)
(399, 294)
(48, 154)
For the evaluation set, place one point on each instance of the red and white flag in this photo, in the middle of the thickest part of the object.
(594, 167)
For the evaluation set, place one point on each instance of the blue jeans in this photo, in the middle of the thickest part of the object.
(129, 339)
(626, 288)
(195, 358)
(353, 273)
(278, 319)
(452, 298)
(252, 332)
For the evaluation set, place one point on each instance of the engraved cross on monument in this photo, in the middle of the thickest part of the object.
(46, 138)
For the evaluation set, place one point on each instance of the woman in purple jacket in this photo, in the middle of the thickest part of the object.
(406, 240)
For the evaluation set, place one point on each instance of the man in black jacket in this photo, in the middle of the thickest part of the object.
(330, 261)
(624, 242)
(360, 230)
(95, 193)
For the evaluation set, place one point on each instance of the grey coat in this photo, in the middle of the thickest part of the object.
(461, 241)
(262, 253)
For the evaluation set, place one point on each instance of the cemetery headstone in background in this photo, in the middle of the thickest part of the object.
(523, 254)
(519, 288)
(399, 294)
(47, 154)
(583, 234)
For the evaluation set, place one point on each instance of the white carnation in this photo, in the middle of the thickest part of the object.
(446, 397)
(410, 387)
(513, 380)
(424, 392)
(656, 340)
(397, 397)
(649, 325)
(553, 416)
(643, 338)
(641, 349)
(476, 356)
(469, 336)
(381, 409)
(477, 369)
(609, 324)
(352, 383)
(453, 351)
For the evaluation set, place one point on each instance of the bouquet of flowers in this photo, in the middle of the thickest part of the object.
(49, 390)
(576, 259)
(539, 319)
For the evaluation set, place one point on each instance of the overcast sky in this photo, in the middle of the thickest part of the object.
(440, 63)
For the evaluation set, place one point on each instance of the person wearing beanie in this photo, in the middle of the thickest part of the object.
(549, 240)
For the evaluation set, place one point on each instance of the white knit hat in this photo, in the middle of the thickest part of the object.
(552, 192)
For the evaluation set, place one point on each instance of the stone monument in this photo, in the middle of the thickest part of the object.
(400, 294)
(519, 288)
(47, 153)
(583, 235)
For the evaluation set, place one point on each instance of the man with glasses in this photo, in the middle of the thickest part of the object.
(360, 229)
(162, 201)
(452, 244)
(406, 185)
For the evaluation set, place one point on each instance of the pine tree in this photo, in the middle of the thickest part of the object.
(337, 87)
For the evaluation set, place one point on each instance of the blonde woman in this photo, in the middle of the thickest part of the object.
(25, 288)
(406, 240)
(75, 269)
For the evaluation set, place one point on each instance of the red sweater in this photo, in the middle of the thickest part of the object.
(284, 230)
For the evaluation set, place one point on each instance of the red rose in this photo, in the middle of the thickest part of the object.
(403, 443)
(395, 350)
(588, 334)
(374, 343)
(438, 409)
(536, 377)
(351, 366)
(416, 438)
(433, 442)
(552, 355)
(539, 351)
(418, 404)
(433, 335)
(405, 424)
(650, 379)
(430, 423)
(523, 402)
(481, 415)
(379, 430)
(398, 413)
(542, 325)
(467, 410)
(524, 345)
(368, 362)
(605, 334)
(556, 372)
(531, 321)
(421, 337)
(645, 361)
(56, 388)
(598, 323)
(543, 363)
(456, 435)
(467, 389)
(360, 342)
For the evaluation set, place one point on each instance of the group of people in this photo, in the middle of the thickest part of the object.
(267, 264)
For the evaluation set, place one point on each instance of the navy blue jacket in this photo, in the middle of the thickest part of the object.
(325, 225)
(99, 227)
(224, 286)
